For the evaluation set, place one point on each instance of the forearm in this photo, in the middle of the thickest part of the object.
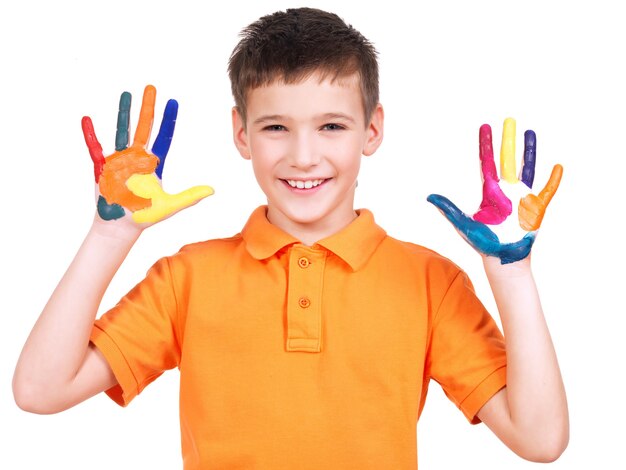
(535, 395)
(58, 343)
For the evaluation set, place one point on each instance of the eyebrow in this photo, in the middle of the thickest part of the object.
(280, 117)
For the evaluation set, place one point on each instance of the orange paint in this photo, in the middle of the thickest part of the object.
(146, 117)
(121, 166)
(532, 208)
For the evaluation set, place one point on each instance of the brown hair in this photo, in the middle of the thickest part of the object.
(292, 45)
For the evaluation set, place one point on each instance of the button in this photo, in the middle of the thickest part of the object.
(303, 262)
(304, 302)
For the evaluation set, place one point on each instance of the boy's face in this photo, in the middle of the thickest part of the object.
(305, 141)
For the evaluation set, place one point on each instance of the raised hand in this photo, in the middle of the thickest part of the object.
(496, 207)
(129, 180)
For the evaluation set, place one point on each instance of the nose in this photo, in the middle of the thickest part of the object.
(303, 153)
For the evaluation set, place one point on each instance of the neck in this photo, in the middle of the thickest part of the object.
(310, 233)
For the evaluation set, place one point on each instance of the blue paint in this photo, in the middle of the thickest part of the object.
(162, 143)
(481, 237)
(108, 211)
(530, 158)
(123, 122)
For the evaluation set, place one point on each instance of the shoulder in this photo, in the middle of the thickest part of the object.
(417, 256)
(206, 253)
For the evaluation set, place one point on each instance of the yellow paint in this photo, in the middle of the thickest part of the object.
(163, 204)
(532, 207)
(508, 168)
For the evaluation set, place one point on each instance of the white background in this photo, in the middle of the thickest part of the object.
(446, 68)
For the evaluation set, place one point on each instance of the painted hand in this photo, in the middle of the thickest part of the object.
(496, 207)
(129, 180)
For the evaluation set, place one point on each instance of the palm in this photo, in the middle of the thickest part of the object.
(129, 180)
(496, 207)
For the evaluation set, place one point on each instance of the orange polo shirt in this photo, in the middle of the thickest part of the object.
(304, 357)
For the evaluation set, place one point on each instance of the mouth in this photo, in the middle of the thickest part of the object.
(305, 184)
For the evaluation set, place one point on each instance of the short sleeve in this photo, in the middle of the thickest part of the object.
(467, 356)
(139, 336)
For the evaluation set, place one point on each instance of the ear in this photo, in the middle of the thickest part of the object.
(240, 137)
(374, 131)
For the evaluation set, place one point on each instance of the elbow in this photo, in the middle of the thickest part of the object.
(549, 449)
(28, 398)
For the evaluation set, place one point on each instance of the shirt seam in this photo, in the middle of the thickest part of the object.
(443, 298)
(176, 310)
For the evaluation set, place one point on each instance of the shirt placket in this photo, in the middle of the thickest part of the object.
(304, 299)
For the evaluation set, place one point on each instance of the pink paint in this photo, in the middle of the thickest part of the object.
(495, 206)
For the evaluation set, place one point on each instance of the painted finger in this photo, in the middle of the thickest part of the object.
(548, 192)
(495, 207)
(94, 147)
(163, 204)
(487, 161)
(146, 117)
(532, 208)
(122, 135)
(508, 168)
(162, 143)
(475, 233)
(530, 158)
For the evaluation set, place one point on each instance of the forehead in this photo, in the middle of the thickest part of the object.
(313, 94)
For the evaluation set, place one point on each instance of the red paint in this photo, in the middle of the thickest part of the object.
(94, 147)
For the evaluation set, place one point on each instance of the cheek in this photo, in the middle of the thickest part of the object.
(347, 156)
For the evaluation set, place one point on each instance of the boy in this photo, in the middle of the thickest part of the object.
(307, 340)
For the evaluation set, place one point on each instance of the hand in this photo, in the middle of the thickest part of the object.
(496, 207)
(129, 180)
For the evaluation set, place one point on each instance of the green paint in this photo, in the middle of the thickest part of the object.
(108, 211)
(123, 122)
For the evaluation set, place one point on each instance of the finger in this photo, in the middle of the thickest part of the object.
(530, 157)
(481, 237)
(475, 233)
(123, 122)
(508, 168)
(495, 206)
(162, 143)
(163, 204)
(146, 117)
(548, 192)
(94, 147)
(532, 208)
(487, 161)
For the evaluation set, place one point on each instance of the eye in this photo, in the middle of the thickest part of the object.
(274, 128)
(332, 127)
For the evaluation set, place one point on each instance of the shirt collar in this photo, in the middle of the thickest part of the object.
(354, 244)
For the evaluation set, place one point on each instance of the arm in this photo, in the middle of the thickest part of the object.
(58, 367)
(530, 415)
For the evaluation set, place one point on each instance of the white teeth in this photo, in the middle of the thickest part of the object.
(308, 184)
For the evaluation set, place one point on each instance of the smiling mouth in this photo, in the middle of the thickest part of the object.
(305, 184)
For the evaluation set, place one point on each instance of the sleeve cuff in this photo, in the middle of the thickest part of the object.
(127, 387)
(492, 384)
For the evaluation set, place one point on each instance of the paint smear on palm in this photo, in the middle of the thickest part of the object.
(118, 169)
